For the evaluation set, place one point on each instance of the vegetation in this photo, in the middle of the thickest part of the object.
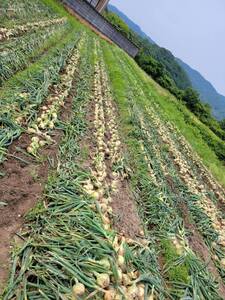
(162, 67)
(129, 179)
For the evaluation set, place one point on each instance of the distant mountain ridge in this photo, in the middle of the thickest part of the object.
(206, 90)
(136, 28)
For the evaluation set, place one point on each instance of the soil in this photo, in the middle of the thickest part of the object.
(126, 219)
(22, 186)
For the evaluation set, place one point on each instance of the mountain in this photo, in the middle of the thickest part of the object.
(162, 55)
(130, 23)
(181, 72)
(206, 90)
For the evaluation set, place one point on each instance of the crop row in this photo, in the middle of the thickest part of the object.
(7, 33)
(16, 54)
(49, 112)
(21, 101)
(16, 11)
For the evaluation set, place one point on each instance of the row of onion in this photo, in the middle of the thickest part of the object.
(50, 111)
(7, 33)
(105, 183)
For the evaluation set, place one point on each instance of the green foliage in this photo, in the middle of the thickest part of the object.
(118, 23)
(161, 65)
(222, 124)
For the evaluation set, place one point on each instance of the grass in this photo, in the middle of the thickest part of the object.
(175, 112)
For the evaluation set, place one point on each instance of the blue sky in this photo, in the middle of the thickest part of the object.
(194, 30)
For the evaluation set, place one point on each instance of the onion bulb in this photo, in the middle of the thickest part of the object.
(121, 261)
(31, 130)
(30, 150)
(78, 289)
(105, 263)
(222, 262)
(132, 292)
(126, 280)
(141, 291)
(109, 295)
(103, 280)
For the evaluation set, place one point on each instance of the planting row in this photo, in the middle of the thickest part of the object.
(7, 33)
(21, 98)
(16, 54)
(16, 11)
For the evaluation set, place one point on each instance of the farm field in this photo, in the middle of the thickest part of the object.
(105, 191)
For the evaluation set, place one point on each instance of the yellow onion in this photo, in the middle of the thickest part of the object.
(141, 291)
(121, 261)
(132, 292)
(35, 139)
(103, 280)
(30, 149)
(126, 280)
(42, 143)
(109, 295)
(222, 262)
(78, 289)
(31, 130)
(51, 125)
(105, 263)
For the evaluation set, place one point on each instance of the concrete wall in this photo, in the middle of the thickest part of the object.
(85, 10)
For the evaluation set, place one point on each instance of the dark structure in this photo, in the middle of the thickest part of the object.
(99, 5)
(86, 10)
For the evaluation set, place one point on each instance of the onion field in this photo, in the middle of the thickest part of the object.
(103, 194)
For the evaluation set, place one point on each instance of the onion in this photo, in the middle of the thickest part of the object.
(35, 139)
(126, 280)
(30, 150)
(51, 125)
(132, 292)
(109, 295)
(141, 291)
(120, 275)
(105, 263)
(121, 261)
(78, 289)
(222, 262)
(103, 280)
(31, 130)
(121, 250)
(42, 143)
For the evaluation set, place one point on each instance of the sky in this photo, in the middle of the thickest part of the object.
(193, 30)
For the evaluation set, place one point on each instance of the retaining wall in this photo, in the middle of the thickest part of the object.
(86, 11)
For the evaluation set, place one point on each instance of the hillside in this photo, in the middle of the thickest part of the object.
(130, 23)
(206, 90)
(162, 55)
(108, 187)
